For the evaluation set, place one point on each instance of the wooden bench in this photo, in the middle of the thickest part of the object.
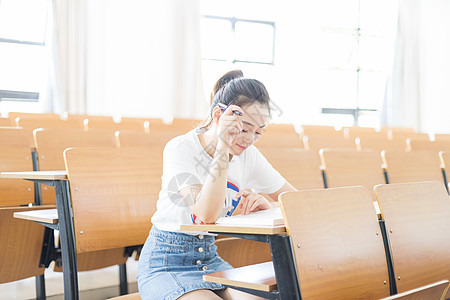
(337, 244)
(445, 163)
(299, 167)
(435, 291)
(239, 252)
(316, 142)
(114, 193)
(412, 166)
(22, 243)
(351, 167)
(15, 155)
(417, 217)
(50, 144)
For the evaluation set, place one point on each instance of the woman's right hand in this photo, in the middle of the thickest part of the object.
(230, 125)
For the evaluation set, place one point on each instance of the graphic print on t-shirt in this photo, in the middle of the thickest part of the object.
(230, 203)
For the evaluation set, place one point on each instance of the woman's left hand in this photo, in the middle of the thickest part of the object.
(251, 202)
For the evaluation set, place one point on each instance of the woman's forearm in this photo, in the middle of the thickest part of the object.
(210, 201)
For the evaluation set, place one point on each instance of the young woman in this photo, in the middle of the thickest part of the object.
(207, 173)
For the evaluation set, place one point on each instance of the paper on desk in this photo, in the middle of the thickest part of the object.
(268, 217)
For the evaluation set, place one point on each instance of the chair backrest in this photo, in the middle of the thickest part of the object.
(128, 138)
(391, 132)
(15, 156)
(417, 218)
(433, 291)
(43, 116)
(435, 146)
(280, 140)
(51, 143)
(379, 143)
(316, 142)
(138, 124)
(438, 137)
(355, 131)
(179, 125)
(351, 167)
(21, 242)
(312, 130)
(240, 252)
(5, 122)
(445, 163)
(336, 240)
(412, 166)
(299, 167)
(114, 194)
(275, 128)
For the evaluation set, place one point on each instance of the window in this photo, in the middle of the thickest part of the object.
(358, 47)
(235, 39)
(23, 62)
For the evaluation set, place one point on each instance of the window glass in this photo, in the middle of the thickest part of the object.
(22, 67)
(219, 37)
(254, 42)
(23, 20)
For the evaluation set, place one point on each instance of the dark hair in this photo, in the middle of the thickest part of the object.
(234, 88)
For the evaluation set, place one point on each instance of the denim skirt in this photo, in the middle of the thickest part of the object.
(172, 264)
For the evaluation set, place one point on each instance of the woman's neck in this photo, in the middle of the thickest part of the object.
(209, 140)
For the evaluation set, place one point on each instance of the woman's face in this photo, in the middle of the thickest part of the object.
(254, 120)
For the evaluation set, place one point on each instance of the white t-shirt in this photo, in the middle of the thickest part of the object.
(186, 163)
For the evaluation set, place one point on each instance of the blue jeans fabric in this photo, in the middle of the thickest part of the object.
(172, 264)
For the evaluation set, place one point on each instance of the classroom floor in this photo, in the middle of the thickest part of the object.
(93, 285)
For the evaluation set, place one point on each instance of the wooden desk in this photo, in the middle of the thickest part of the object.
(280, 247)
(48, 216)
(58, 179)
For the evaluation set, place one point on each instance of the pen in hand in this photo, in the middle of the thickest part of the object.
(223, 107)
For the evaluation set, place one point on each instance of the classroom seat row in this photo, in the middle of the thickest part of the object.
(341, 249)
(341, 167)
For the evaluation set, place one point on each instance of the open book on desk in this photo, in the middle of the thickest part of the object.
(268, 217)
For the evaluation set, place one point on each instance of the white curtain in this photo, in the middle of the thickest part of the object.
(67, 78)
(144, 58)
(417, 91)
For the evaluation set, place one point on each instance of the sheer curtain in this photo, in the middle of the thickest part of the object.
(144, 59)
(417, 92)
(67, 71)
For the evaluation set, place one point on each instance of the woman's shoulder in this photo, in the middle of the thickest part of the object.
(185, 141)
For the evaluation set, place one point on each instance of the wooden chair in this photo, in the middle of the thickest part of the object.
(178, 125)
(441, 137)
(417, 218)
(299, 167)
(15, 156)
(313, 130)
(275, 128)
(113, 193)
(42, 116)
(436, 146)
(5, 122)
(435, 291)
(51, 143)
(379, 143)
(279, 140)
(315, 143)
(412, 166)
(139, 124)
(356, 131)
(350, 167)
(127, 138)
(392, 132)
(239, 252)
(134, 296)
(338, 249)
(22, 243)
(445, 163)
